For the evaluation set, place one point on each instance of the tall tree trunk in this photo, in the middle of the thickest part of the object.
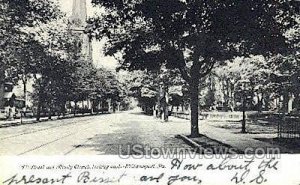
(227, 92)
(50, 112)
(40, 99)
(24, 81)
(285, 102)
(92, 106)
(75, 108)
(63, 108)
(296, 101)
(114, 106)
(194, 95)
(158, 115)
(232, 96)
(194, 90)
(102, 106)
(164, 103)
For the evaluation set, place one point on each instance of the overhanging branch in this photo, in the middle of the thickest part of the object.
(185, 74)
(207, 68)
(182, 68)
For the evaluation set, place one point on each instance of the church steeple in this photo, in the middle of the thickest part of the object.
(78, 24)
(79, 12)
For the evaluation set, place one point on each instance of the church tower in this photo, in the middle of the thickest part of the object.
(79, 11)
(78, 24)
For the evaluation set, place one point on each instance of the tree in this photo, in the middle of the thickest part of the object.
(17, 16)
(19, 50)
(252, 68)
(55, 66)
(290, 64)
(155, 90)
(188, 35)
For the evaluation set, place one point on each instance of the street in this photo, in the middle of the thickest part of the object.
(103, 134)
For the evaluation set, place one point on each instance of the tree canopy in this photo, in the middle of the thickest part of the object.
(17, 45)
(190, 35)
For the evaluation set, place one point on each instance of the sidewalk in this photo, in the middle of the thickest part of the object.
(237, 140)
(17, 122)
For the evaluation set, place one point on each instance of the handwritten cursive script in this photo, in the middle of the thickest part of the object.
(32, 179)
(85, 177)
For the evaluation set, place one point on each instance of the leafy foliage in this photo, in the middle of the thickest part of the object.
(19, 47)
(190, 35)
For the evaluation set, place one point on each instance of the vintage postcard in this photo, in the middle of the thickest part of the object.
(135, 92)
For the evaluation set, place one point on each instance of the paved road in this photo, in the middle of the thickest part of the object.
(103, 134)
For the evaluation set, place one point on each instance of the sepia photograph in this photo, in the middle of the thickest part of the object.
(170, 92)
(149, 77)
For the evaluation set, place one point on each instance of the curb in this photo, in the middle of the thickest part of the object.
(188, 141)
(197, 146)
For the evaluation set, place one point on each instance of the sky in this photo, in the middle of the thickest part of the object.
(99, 59)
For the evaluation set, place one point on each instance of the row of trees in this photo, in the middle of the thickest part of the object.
(192, 35)
(270, 78)
(156, 91)
(36, 43)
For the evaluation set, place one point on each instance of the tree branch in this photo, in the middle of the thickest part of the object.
(183, 69)
(184, 74)
(208, 70)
